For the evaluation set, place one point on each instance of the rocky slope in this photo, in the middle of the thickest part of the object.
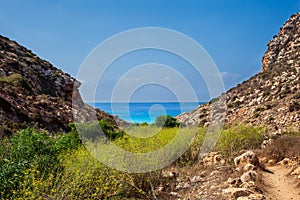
(270, 98)
(35, 93)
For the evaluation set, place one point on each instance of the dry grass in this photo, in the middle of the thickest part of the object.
(286, 146)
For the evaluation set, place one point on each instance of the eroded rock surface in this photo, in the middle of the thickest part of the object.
(35, 93)
(270, 98)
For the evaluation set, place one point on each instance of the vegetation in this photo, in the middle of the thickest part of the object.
(234, 139)
(14, 79)
(97, 130)
(166, 121)
(17, 80)
(36, 165)
(28, 152)
(286, 146)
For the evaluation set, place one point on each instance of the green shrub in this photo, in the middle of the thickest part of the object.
(36, 165)
(26, 148)
(68, 141)
(97, 130)
(110, 130)
(30, 151)
(166, 121)
(84, 177)
(17, 80)
(14, 79)
(232, 140)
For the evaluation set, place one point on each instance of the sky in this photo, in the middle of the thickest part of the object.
(234, 33)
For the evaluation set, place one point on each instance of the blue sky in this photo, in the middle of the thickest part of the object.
(234, 32)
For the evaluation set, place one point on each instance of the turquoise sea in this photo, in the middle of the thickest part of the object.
(138, 112)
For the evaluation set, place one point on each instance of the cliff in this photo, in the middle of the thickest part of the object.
(35, 93)
(271, 97)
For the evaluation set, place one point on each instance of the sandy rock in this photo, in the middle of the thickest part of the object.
(248, 185)
(248, 167)
(174, 194)
(263, 160)
(168, 174)
(271, 162)
(253, 197)
(213, 158)
(246, 161)
(231, 180)
(249, 176)
(237, 192)
(286, 161)
(183, 185)
(196, 179)
(296, 171)
(266, 143)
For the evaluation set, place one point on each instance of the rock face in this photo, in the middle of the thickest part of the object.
(283, 49)
(270, 98)
(35, 93)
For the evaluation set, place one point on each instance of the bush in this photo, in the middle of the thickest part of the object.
(36, 165)
(287, 146)
(17, 80)
(97, 130)
(110, 130)
(29, 151)
(232, 140)
(14, 79)
(166, 121)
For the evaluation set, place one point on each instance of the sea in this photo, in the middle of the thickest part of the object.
(139, 112)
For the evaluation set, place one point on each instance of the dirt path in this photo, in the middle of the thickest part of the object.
(279, 186)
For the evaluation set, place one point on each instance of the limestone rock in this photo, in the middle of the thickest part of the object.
(35, 93)
(249, 176)
(296, 171)
(245, 159)
(253, 197)
(271, 97)
(237, 192)
(286, 161)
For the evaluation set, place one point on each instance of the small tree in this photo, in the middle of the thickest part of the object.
(166, 121)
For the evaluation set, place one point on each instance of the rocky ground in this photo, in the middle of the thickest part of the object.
(270, 98)
(213, 177)
(35, 93)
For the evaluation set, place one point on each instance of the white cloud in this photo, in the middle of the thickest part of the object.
(227, 75)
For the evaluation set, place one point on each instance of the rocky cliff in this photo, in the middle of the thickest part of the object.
(270, 98)
(35, 93)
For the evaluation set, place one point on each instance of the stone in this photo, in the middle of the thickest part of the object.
(174, 194)
(248, 167)
(253, 197)
(249, 184)
(271, 162)
(237, 192)
(169, 174)
(248, 157)
(249, 176)
(196, 179)
(286, 161)
(183, 185)
(34, 92)
(296, 171)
